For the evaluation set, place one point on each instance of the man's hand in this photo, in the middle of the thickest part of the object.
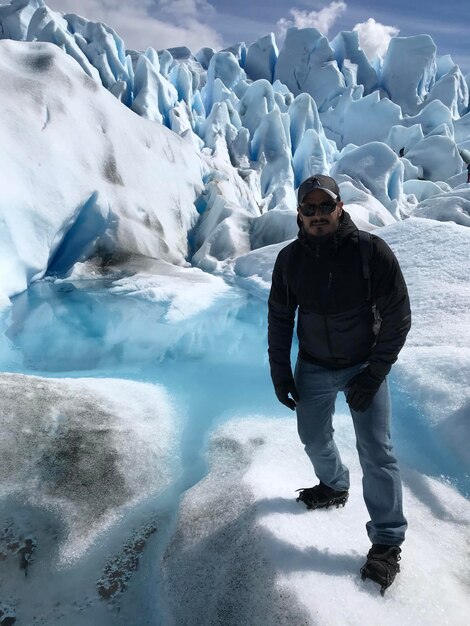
(282, 392)
(362, 389)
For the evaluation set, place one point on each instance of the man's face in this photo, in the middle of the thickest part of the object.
(320, 224)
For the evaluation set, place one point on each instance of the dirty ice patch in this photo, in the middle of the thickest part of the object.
(185, 291)
(244, 551)
(87, 449)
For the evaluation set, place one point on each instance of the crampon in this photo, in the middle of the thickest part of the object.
(322, 497)
(382, 565)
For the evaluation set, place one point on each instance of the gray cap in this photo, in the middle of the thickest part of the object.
(321, 182)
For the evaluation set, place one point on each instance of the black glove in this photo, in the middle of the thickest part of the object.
(283, 390)
(362, 389)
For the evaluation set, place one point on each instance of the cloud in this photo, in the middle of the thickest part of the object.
(375, 37)
(179, 22)
(322, 19)
(188, 8)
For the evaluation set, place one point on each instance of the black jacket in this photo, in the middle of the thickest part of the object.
(337, 322)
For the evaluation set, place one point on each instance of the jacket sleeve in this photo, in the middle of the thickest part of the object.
(282, 305)
(393, 305)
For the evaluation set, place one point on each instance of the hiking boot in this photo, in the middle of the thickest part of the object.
(382, 565)
(321, 497)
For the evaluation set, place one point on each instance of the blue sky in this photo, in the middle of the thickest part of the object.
(219, 23)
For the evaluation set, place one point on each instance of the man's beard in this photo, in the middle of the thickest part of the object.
(318, 239)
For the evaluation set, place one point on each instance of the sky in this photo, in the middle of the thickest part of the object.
(220, 23)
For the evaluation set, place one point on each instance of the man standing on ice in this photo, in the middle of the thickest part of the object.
(353, 318)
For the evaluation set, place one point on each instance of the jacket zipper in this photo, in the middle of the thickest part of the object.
(327, 330)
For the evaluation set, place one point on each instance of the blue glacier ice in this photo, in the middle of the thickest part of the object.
(261, 58)
(377, 167)
(348, 51)
(306, 63)
(407, 84)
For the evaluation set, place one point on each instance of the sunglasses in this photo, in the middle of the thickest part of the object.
(325, 208)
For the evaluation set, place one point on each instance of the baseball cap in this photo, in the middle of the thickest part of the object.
(319, 181)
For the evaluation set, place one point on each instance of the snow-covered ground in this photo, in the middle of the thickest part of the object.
(253, 555)
(147, 471)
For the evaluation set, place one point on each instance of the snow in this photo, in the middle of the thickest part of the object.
(435, 361)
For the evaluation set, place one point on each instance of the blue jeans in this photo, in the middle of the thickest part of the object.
(318, 388)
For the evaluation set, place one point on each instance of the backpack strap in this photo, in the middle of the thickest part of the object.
(285, 274)
(365, 250)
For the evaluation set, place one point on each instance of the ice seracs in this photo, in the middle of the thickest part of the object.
(306, 63)
(348, 53)
(16, 16)
(406, 83)
(261, 58)
(264, 118)
(377, 167)
(155, 96)
(452, 90)
(423, 154)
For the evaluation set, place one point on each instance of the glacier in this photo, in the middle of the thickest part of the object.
(215, 100)
(148, 473)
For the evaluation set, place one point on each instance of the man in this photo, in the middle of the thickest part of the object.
(353, 318)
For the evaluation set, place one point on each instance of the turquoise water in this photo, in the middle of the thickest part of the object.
(214, 364)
